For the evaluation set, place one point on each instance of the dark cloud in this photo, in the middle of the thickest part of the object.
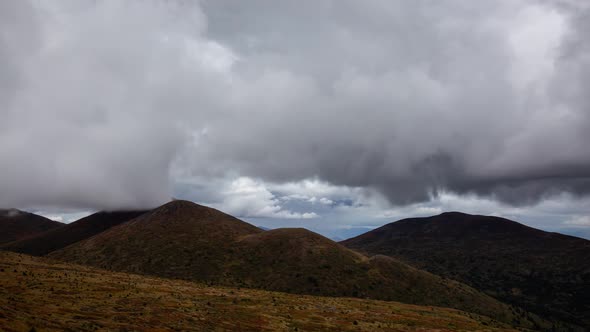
(103, 102)
(414, 98)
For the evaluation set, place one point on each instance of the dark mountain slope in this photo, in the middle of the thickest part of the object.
(547, 273)
(16, 225)
(187, 241)
(62, 237)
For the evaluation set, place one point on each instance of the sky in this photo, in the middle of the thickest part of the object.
(337, 116)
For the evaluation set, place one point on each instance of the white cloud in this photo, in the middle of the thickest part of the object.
(311, 188)
(535, 36)
(246, 197)
(305, 198)
(55, 218)
(578, 221)
(326, 201)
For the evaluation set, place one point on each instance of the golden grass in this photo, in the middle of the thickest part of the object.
(54, 296)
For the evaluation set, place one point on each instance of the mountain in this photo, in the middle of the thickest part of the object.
(184, 240)
(546, 273)
(47, 295)
(16, 225)
(61, 237)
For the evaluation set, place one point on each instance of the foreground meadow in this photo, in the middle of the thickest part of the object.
(44, 295)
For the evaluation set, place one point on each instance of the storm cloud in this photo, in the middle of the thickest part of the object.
(106, 104)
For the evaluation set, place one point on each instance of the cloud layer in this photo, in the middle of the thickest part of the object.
(106, 104)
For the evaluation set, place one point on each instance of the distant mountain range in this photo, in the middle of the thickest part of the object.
(61, 236)
(546, 273)
(486, 265)
(17, 225)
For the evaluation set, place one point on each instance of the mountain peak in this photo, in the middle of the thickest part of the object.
(450, 214)
(506, 259)
(182, 208)
(181, 203)
(458, 225)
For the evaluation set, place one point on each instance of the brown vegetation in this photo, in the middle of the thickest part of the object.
(52, 296)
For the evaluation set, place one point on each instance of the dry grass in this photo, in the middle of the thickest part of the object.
(53, 296)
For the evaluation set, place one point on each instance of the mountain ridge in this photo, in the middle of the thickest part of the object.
(17, 225)
(183, 240)
(544, 272)
(58, 238)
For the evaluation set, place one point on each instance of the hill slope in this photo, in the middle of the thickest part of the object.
(61, 237)
(547, 273)
(16, 225)
(52, 296)
(187, 241)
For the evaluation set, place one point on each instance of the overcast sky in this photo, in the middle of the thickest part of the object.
(338, 116)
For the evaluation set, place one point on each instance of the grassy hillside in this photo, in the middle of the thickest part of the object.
(16, 225)
(53, 296)
(187, 241)
(547, 273)
(57, 238)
